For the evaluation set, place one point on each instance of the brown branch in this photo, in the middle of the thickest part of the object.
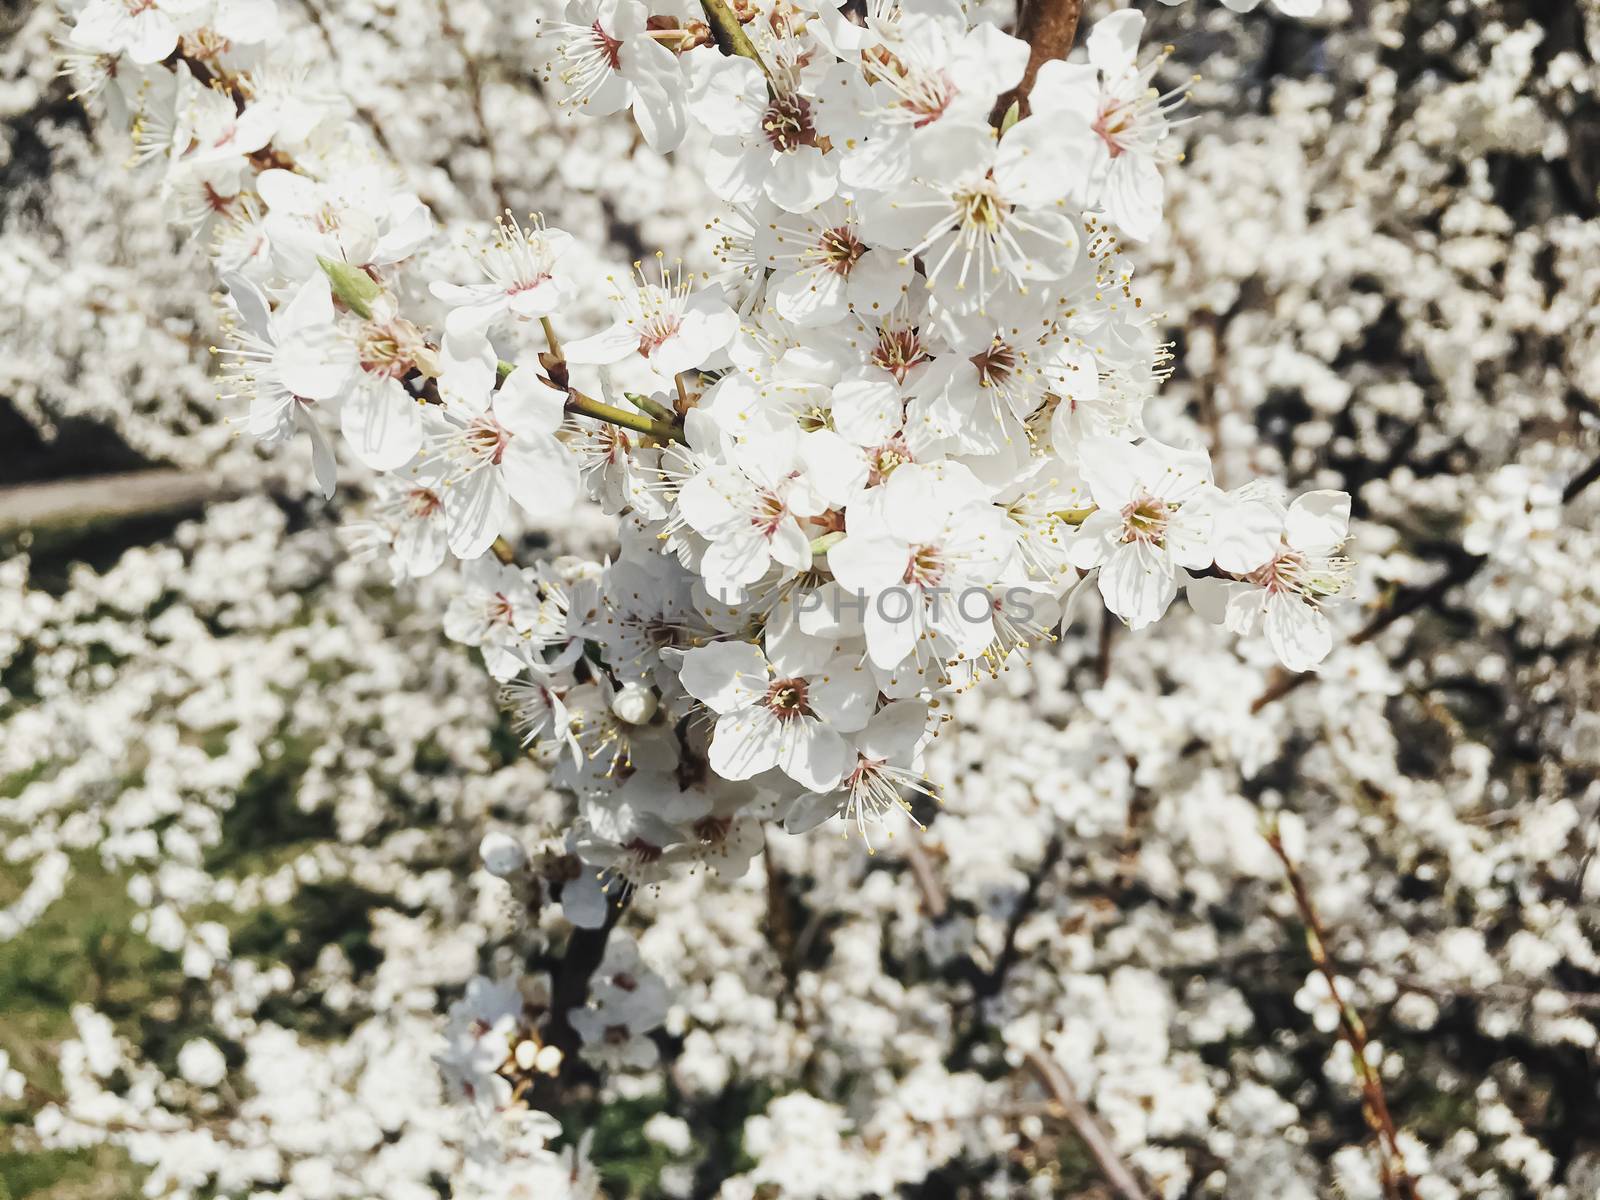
(109, 499)
(934, 901)
(1582, 480)
(368, 117)
(988, 984)
(1398, 1182)
(1048, 26)
(1102, 659)
(729, 33)
(1084, 1124)
(473, 75)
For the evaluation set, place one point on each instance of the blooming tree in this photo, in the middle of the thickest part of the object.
(863, 463)
(887, 445)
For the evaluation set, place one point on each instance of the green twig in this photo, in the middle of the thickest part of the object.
(639, 422)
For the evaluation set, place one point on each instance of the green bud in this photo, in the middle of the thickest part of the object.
(354, 288)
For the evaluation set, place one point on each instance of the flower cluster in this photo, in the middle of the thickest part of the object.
(1153, 958)
(870, 458)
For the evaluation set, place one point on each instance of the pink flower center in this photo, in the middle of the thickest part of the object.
(421, 503)
(528, 285)
(609, 47)
(995, 364)
(929, 98)
(769, 513)
(1282, 573)
(1114, 120)
(656, 331)
(215, 200)
(886, 459)
(713, 831)
(898, 351)
(388, 348)
(643, 852)
(487, 439)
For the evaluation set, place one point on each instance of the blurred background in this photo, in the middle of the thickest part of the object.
(242, 778)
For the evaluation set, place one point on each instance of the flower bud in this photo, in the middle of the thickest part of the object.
(526, 1054)
(548, 1060)
(502, 854)
(634, 704)
(353, 287)
(201, 1063)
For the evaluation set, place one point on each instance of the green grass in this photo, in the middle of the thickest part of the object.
(97, 1173)
(80, 951)
(265, 826)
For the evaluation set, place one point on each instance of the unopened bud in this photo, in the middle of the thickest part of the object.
(634, 704)
(502, 854)
(526, 1055)
(352, 286)
(427, 361)
(547, 1061)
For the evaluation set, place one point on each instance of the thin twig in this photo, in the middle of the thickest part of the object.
(368, 117)
(1580, 481)
(638, 422)
(577, 402)
(1398, 1182)
(1084, 1124)
(1258, 961)
(550, 338)
(934, 901)
(1102, 660)
(69, 503)
(474, 80)
(987, 984)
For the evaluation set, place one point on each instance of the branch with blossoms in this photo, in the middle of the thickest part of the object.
(866, 460)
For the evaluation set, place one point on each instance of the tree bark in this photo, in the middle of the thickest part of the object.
(1048, 26)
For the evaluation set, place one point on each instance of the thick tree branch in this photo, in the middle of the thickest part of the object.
(569, 984)
(1048, 26)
